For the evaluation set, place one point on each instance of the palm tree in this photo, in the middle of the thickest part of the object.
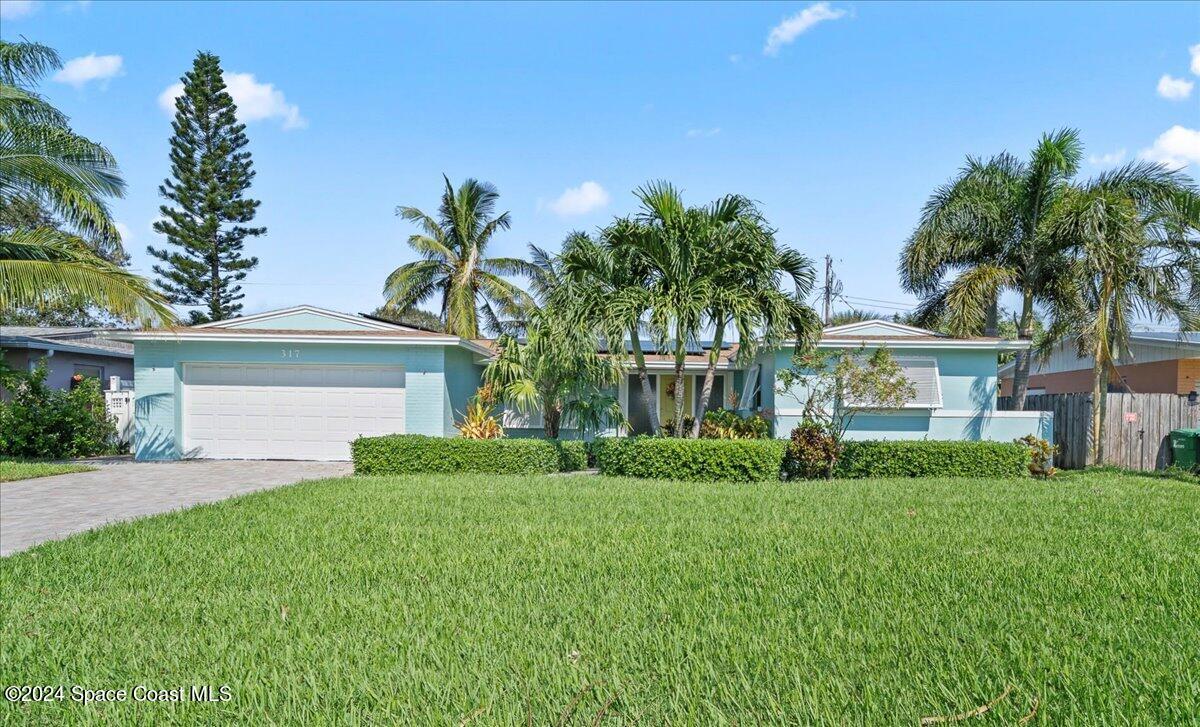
(716, 265)
(988, 226)
(454, 264)
(1132, 240)
(42, 160)
(671, 241)
(557, 369)
(610, 291)
(747, 268)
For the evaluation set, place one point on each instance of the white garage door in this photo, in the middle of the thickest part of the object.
(287, 412)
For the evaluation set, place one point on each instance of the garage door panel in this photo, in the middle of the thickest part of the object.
(288, 411)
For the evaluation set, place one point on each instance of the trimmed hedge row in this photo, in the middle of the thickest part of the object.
(930, 458)
(406, 453)
(705, 460)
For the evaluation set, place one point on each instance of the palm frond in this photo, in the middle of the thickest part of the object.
(43, 266)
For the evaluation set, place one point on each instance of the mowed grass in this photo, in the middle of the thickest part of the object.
(12, 470)
(504, 600)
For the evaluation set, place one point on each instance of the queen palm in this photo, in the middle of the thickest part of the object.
(715, 265)
(987, 229)
(747, 271)
(43, 160)
(1131, 237)
(454, 263)
(609, 291)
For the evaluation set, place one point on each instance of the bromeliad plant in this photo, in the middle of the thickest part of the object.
(836, 388)
(479, 420)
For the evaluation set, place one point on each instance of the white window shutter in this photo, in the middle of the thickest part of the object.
(922, 372)
(924, 375)
(749, 387)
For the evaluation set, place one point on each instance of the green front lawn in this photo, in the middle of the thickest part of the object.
(497, 600)
(12, 470)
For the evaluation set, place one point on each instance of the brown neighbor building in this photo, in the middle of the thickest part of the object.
(1159, 363)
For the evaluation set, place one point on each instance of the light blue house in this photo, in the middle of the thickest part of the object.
(301, 383)
(955, 379)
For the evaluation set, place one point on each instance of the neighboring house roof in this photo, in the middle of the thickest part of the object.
(898, 335)
(1185, 343)
(92, 341)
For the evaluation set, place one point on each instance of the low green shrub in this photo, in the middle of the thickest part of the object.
(710, 460)
(44, 423)
(929, 458)
(572, 455)
(407, 453)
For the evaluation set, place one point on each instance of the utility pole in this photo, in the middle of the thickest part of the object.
(828, 289)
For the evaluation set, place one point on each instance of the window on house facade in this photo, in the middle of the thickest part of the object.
(83, 371)
(717, 398)
(923, 373)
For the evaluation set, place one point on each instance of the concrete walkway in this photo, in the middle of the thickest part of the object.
(51, 508)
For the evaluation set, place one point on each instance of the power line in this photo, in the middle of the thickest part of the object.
(880, 300)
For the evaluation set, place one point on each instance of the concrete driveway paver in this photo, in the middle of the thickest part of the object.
(52, 508)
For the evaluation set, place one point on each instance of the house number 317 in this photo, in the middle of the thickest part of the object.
(290, 352)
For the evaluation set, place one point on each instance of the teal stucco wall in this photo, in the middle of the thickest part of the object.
(463, 377)
(158, 382)
(968, 412)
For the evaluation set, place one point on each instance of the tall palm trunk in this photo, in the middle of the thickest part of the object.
(991, 325)
(710, 373)
(639, 360)
(1024, 357)
(680, 360)
(551, 419)
(1099, 379)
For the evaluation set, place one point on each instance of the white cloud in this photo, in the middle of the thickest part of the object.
(793, 26)
(580, 200)
(13, 9)
(79, 71)
(126, 233)
(1176, 147)
(703, 133)
(1195, 51)
(1174, 89)
(1109, 159)
(255, 101)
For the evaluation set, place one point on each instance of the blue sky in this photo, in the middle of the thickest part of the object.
(840, 126)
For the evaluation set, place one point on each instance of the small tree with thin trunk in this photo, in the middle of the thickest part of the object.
(838, 387)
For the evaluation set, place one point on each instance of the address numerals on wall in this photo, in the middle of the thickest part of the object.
(290, 352)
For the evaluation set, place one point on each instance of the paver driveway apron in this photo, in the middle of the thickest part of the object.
(51, 508)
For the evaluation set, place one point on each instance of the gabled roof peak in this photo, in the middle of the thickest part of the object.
(878, 326)
(358, 320)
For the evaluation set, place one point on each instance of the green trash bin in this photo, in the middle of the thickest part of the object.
(1185, 446)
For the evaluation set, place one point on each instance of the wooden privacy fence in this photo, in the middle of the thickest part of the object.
(1136, 427)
